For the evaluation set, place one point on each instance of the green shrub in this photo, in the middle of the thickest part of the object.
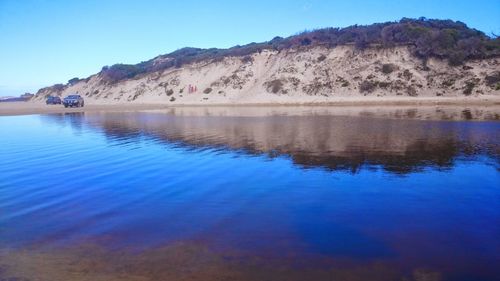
(73, 81)
(388, 68)
(247, 59)
(384, 85)
(407, 74)
(412, 92)
(275, 86)
(469, 86)
(448, 83)
(321, 58)
(492, 79)
(367, 86)
(456, 58)
(121, 71)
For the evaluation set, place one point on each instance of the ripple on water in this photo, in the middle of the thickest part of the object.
(300, 196)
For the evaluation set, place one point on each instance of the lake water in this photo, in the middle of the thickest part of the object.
(209, 195)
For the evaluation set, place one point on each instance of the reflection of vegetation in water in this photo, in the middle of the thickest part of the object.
(185, 261)
(413, 161)
(331, 142)
(417, 156)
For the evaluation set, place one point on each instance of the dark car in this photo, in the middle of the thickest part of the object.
(53, 100)
(73, 101)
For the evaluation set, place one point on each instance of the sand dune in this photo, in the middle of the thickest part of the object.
(310, 75)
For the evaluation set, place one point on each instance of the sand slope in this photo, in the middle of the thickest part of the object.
(306, 75)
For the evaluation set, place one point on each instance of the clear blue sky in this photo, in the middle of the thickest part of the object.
(46, 42)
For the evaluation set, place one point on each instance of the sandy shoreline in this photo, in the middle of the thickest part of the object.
(26, 108)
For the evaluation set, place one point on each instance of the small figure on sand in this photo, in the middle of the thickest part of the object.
(192, 88)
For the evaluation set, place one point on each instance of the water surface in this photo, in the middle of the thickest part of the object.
(171, 195)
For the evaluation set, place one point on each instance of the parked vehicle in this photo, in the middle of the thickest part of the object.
(73, 101)
(53, 100)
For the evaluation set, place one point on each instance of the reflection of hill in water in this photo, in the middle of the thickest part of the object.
(332, 142)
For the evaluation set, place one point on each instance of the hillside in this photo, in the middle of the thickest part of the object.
(424, 58)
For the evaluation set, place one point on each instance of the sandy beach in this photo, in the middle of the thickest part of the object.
(25, 108)
(423, 110)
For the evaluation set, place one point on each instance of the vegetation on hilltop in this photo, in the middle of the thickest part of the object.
(442, 39)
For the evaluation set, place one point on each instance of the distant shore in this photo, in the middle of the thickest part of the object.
(27, 108)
